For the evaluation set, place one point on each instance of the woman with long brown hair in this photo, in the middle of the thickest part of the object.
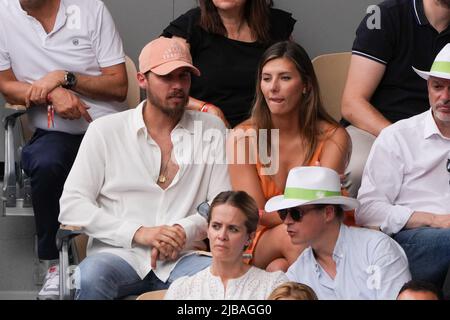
(227, 39)
(300, 132)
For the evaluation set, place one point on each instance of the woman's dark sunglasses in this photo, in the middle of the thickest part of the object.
(296, 213)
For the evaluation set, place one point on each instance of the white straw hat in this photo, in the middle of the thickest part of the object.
(440, 67)
(311, 185)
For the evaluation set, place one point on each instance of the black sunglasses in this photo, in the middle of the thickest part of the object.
(295, 213)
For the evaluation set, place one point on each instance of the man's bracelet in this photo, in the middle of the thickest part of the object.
(204, 107)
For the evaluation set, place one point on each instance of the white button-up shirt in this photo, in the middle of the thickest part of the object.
(111, 190)
(405, 172)
(369, 265)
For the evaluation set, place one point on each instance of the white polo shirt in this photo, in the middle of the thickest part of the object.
(83, 40)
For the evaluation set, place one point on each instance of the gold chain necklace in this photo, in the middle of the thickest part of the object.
(162, 178)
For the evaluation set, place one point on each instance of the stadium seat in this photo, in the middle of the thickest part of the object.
(331, 71)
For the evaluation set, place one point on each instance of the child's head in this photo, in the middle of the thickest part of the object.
(293, 291)
(419, 290)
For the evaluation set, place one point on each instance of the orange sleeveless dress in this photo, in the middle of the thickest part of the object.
(270, 189)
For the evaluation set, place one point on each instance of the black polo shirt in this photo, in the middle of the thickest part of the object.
(405, 39)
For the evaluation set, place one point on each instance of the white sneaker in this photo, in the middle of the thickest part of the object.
(41, 269)
(50, 289)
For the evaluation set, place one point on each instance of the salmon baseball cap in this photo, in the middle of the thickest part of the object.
(163, 55)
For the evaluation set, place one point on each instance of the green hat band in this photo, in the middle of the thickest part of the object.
(308, 194)
(441, 66)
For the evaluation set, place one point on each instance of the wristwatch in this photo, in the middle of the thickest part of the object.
(70, 80)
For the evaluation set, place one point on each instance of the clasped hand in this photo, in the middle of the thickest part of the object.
(166, 241)
(68, 105)
(48, 90)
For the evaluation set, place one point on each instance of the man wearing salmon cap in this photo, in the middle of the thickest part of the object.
(134, 194)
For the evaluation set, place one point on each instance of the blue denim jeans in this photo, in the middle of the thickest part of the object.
(428, 252)
(105, 276)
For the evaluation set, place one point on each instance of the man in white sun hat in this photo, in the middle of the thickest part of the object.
(339, 262)
(405, 187)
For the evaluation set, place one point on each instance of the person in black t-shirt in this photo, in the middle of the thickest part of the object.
(382, 88)
(227, 39)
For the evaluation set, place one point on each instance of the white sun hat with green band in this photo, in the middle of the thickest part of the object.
(311, 185)
(440, 67)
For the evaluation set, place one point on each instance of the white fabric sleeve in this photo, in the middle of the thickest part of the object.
(107, 43)
(390, 269)
(78, 203)
(195, 225)
(220, 179)
(5, 62)
(381, 183)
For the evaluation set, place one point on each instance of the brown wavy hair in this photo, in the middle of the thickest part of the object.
(256, 13)
(312, 110)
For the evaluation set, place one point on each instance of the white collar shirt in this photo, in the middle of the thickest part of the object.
(111, 190)
(405, 172)
(369, 266)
